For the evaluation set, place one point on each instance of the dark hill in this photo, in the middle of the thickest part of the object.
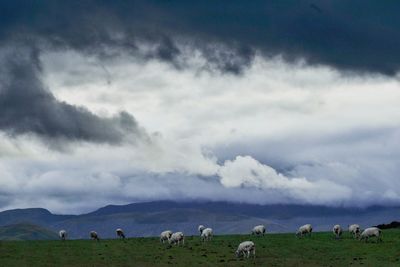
(26, 232)
(391, 225)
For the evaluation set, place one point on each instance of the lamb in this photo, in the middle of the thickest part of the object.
(201, 228)
(177, 238)
(63, 235)
(206, 234)
(246, 247)
(258, 230)
(120, 233)
(165, 236)
(337, 231)
(371, 232)
(354, 230)
(94, 235)
(304, 230)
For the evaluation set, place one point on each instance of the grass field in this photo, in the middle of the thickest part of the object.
(272, 250)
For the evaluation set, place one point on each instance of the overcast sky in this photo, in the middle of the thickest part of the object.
(110, 102)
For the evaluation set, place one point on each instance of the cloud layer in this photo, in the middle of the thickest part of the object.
(278, 133)
(357, 36)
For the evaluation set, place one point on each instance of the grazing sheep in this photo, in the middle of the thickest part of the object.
(304, 230)
(120, 233)
(177, 238)
(63, 235)
(165, 236)
(244, 248)
(94, 235)
(371, 232)
(354, 230)
(206, 234)
(337, 231)
(258, 230)
(201, 228)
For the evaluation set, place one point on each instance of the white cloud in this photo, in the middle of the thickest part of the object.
(248, 172)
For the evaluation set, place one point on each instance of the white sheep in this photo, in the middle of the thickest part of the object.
(177, 238)
(94, 235)
(201, 228)
(246, 248)
(354, 230)
(165, 236)
(337, 231)
(371, 232)
(258, 230)
(63, 234)
(206, 234)
(120, 233)
(304, 230)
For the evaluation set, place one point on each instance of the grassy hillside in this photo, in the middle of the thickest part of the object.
(26, 232)
(272, 250)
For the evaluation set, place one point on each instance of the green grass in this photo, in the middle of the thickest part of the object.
(272, 250)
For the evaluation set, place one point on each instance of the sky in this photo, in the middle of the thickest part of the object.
(264, 102)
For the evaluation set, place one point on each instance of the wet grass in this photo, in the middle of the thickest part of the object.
(272, 250)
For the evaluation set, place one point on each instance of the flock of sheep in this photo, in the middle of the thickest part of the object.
(354, 230)
(248, 247)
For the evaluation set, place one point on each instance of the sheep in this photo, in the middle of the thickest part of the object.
(258, 230)
(201, 228)
(354, 230)
(120, 233)
(337, 231)
(246, 247)
(165, 236)
(206, 234)
(304, 230)
(177, 238)
(63, 235)
(94, 235)
(371, 232)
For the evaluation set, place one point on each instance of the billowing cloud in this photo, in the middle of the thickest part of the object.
(248, 172)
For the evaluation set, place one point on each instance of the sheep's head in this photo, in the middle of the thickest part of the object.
(361, 237)
(237, 253)
(201, 228)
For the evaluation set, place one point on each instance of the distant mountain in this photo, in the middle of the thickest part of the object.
(34, 215)
(150, 218)
(26, 232)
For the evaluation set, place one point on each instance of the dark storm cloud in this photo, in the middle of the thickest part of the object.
(27, 107)
(351, 35)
